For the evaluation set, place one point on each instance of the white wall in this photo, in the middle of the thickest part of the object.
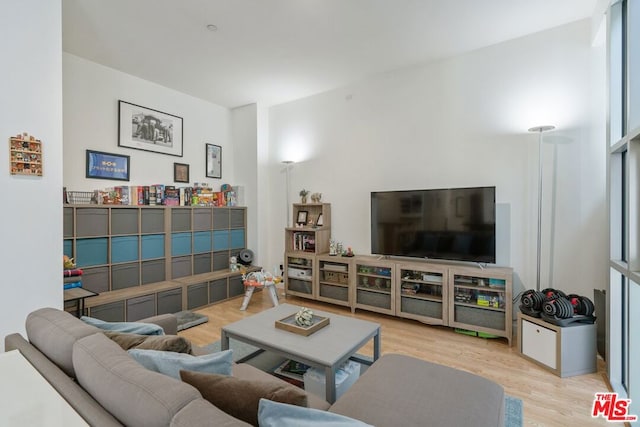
(463, 122)
(91, 94)
(31, 226)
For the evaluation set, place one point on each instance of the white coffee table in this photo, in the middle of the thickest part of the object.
(27, 399)
(327, 348)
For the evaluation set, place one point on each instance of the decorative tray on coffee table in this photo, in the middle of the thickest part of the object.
(289, 324)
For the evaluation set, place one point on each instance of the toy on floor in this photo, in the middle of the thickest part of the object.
(259, 279)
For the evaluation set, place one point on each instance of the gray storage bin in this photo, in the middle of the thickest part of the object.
(125, 276)
(236, 287)
(302, 286)
(202, 263)
(141, 307)
(124, 221)
(373, 299)
(221, 260)
(218, 290)
(152, 220)
(480, 317)
(202, 219)
(236, 219)
(180, 219)
(92, 222)
(67, 222)
(197, 296)
(112, 312)
(334, 292)
(421, 307)
(169, 301)
(220, 218)
(180, 267)
(96, 279)
(153, 271)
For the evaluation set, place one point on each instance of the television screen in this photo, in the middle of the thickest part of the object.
(454, 224)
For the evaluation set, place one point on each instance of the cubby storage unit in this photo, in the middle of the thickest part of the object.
(310, 237)
(565, 351)
(480, 300)
(299, 274)
(333, 273)
(134, 251)
(375, 286)
(422, 292)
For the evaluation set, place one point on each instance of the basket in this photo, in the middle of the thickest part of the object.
(80, 197)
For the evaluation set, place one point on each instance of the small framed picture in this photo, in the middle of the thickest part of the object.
(181, 172)
(319, 222)
(302, 217)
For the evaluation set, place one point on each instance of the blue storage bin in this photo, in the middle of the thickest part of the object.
(220, 240)
(67, 249)
(91, 251)
(237, 238)
(180, 244)
(153, 246)
(202, 241)
(124, 249)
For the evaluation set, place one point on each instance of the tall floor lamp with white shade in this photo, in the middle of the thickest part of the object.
(287, 165)
(540, 130)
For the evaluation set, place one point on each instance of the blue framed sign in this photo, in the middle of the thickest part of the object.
(102, 165)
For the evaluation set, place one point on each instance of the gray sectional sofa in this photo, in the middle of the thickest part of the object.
(108, 388)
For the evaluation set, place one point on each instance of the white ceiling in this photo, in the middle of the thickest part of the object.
(274, 51)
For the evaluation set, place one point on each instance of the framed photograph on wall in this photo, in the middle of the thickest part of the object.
(102, 165)
(214, 161)
(180, 172)
(146, 129)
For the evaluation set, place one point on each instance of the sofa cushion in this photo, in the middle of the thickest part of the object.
(139, 328)
(200, 413)
(396, 385)
(170, 363)
(135, 395)
(275, 414)
(240, 398)
(173, 343)
(54, 332)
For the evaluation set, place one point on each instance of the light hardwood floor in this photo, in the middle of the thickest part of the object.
(548, 399)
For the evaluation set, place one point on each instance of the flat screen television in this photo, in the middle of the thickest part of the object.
(452, 224)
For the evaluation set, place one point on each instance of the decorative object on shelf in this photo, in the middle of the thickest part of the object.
(333, 249)
(302, 217)
(303, 194)
(289, 324)
(319, 221)
(304, 317)
(539, 130)
(213, 155)
(233, 263)
(101, 165)
(180, 172)
(25, 155)
(315, 197)
(146, 129)
(348, 252)
(68, 263)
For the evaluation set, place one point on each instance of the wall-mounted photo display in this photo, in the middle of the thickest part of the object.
(146, 129)
(180, 172)
(213, 161)
(101, 165)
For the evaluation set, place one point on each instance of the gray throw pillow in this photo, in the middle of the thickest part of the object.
(240, 398)
(173, 343)
(170, 363)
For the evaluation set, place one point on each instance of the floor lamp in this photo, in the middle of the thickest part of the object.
(287, 165)
(540, 130)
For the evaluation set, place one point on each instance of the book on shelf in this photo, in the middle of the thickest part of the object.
(292, 372)
(304, 242)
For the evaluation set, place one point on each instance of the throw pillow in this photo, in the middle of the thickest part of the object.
(151, 342)
(240, 398)
(274, 414)
(170, 363)
(129, 327)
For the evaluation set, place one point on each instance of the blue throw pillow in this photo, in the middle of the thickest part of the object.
(126, 327)
(170, 363)
(275, 414)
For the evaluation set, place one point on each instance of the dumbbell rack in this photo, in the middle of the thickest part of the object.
(564, 350)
